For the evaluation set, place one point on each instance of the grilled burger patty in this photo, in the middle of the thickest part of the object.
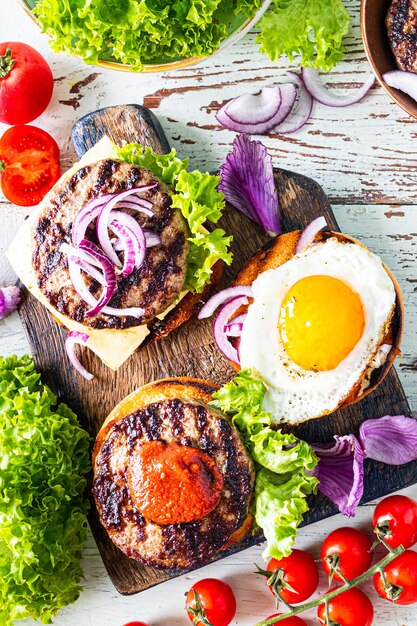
(154, 286)
(169, 424)
(402, 32)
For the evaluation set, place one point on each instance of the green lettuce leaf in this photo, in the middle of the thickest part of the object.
(283, 463)
(43, 527)
(132, 31)
(196, 195)
(313, 29)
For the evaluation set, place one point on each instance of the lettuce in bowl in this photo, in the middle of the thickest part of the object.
(43, 525)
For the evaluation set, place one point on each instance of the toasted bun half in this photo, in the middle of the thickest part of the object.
(280, 250)
(175, 415)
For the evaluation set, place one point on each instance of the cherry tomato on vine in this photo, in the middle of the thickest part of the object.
(395, 521)
(350, 608)
(294, 620)
(401, 579)
(296, 576)
(346, 549)
(29, 164)
(26, 83)
(212, 599)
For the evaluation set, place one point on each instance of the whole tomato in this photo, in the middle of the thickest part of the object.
(297, 576)
(350, 608)
(348, 551)
(401, 579)
(395, 521)
(26, 83)
(213, 600)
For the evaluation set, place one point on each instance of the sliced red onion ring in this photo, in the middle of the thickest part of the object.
(86, 215)
(73, 338)
(309, 232)
(69, 250)
(152, 239)
(221, 322)
(233, 329)
(80, 287)
(223, 296)
(102, 223)
(134, 246)
(321, 93)
(404, 81)
(134, 201)
(300, 112)
(258, 114)
(88, 269)
(108, 272)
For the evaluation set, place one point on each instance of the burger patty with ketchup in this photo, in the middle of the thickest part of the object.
(172, 478)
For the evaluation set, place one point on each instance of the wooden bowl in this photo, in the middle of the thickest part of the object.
(378, 50)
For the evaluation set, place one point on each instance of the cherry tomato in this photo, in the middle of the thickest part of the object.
(300, 572)
(350, 608)
(294, 620)
(135, 624)
(349, 550)
(29, 162)
(26, 83)
(395, 521)
(215, 600)
(401, 578)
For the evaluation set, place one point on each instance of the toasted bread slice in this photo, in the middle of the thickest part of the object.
(280, 250)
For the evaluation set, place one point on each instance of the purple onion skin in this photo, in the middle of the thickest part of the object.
(391, 439)
(340, 472)
(9, 300)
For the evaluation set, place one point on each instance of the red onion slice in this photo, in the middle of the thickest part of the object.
(223, 296)
(86, 215)
(69, 250)
(221, 322)
(308, 234)
(404, 81)
(233, 329)
(88, 269)
(141, 203)
(258, 114)
(108, 272)
(73, 338)
(134, 246)
(152, 239)
(102, 223)
(300, 112)
(84, 293)
(321, 93)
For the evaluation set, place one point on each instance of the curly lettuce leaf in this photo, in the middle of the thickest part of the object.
(197, 198)
(43, 527)
(313, 29)
(132, 31)
(283, 463)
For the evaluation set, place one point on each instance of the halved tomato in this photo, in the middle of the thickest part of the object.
(29, 164)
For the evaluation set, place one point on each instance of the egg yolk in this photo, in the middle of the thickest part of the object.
(320, 322)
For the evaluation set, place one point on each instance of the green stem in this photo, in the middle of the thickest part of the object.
(336, 592)
(2, 166)
(6, 63)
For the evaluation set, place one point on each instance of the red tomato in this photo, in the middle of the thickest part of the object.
(294, 620)
(300, 572)
(26, 83)
(29, 164)
(349, 550)
(135, 624)
(401, 577)
(215, 601)
(350, 608)
(395, 521)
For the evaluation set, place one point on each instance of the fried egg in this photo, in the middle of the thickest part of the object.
(316, 328)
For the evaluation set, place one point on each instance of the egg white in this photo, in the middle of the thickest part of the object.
(295, 394)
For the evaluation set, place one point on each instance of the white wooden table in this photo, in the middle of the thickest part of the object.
(365, 157)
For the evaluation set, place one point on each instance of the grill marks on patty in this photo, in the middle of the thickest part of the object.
(173, 546)
(402, 32)
(154, 286)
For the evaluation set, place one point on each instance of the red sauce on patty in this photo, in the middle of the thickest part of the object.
(174, 484)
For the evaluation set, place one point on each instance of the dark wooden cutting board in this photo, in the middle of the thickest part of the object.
(191, 350)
